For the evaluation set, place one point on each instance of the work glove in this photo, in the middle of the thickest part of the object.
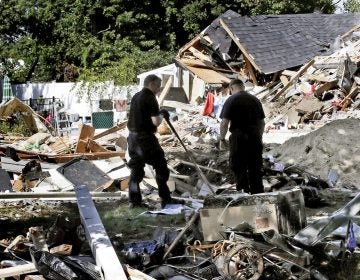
(165, 114)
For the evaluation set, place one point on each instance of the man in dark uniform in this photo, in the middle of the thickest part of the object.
(245, 115)
(143, 146)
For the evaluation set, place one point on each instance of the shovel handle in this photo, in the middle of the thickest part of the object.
(203, 177)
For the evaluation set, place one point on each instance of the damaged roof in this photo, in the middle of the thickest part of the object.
(276, 42)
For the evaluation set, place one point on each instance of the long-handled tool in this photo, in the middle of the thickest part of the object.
(190, 156)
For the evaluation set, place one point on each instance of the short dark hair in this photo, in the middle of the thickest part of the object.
(150, 79)
(237, 82)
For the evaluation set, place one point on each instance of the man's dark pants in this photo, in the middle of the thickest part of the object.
(145, 148)
(246, 161)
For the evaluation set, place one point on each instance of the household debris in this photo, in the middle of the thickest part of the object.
(232, 235)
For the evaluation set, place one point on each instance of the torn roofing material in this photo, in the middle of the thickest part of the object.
(276, 42)
(209, 76)
(221, 41)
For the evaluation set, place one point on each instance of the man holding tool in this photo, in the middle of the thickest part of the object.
(245, 115)
(143, 146)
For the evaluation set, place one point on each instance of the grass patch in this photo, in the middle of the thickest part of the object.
(135, 227)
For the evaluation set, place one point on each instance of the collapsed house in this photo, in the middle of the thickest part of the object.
(259, 47)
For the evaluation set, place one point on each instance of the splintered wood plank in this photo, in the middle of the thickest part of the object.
(100, 244)
(81, 146)
(251, 71)
(62, 250)
(348, 98)
(165, 91)
(193, 42)
(325, 87)
(138, 275)
(199, 54)
(293, 78)
(91, 156)
(17, 270)
(350, 31)
(288, 73)
(34, 277)
(86, 131)
(284, 80)
(95, 147)
(110, 130)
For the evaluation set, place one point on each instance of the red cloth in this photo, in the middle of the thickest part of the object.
(209, 104)
(49, 118)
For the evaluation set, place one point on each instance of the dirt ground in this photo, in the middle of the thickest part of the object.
(335, 146)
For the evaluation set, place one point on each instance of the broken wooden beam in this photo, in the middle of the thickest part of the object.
(293, 79)
(100, 244)
(93, 146)
(284, 80)
(165, 91)
(325, 87)
(180, 235)
(34, 277)
(251, 71)
(86, 132)
(198, 54)
(137, 274)
(17, 270)
(110, 130)
(348, 98)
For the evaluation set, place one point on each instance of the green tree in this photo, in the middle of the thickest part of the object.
(69, 40)
(288, 6)
(352, 6)
(196, 15)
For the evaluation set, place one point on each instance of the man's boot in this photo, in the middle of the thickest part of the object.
(134, 194)
(171, 200)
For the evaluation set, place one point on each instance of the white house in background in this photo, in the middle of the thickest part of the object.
(193, 81)
(190, 83)
(164, 73)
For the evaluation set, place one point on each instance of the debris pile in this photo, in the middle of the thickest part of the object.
(331, 149)
(227, 235)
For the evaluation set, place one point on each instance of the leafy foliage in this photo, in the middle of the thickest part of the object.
(101, 40)
(352, 6)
